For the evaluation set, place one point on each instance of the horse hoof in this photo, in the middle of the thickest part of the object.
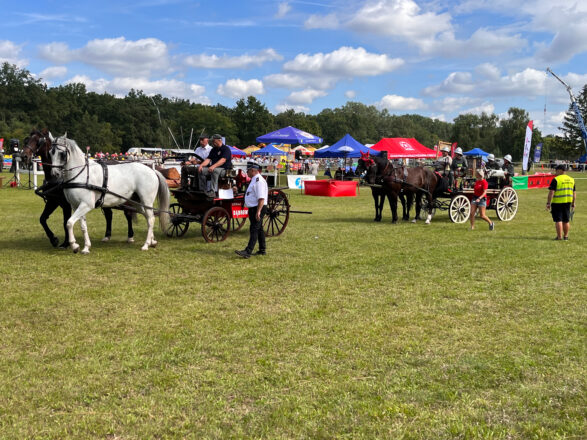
(153, 244)
(145, 247)
(130, 240)
(85, 252)
(63, 245)
(54, 241)
(414, 221)
(75, 248)
(427, 222)
(105, 239)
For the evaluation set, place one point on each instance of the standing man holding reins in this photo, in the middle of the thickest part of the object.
(561, 199)
(256, 202)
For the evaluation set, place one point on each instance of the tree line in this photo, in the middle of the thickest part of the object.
(111, 124)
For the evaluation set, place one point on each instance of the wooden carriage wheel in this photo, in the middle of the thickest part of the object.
(236, 224)
(177, 227)
(277, 216)
(507, 204)
(459, 209)
(215, 224)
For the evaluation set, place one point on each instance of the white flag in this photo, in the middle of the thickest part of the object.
(527, 144)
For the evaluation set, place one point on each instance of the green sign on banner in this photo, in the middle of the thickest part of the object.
(520, 182)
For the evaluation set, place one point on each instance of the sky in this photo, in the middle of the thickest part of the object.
(436, 58)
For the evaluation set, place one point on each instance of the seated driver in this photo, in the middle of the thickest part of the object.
(444, 162)
(216, 165)
(190, 167)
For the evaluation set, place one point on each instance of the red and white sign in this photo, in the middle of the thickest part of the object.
(398, 148)
(239, 211)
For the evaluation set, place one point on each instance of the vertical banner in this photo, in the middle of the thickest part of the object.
(1, 143)
(537, 152)
(452, 150)
(527, 143)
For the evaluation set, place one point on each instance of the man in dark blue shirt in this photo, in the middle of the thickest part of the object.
(216, 164)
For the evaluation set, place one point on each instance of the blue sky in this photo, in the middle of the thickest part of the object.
(437, 58)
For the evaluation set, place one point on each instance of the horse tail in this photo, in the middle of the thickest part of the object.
(163, 195)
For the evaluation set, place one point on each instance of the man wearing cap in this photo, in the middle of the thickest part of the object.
(444, 162)
(560, 201)
(219, 160)
(508, 169)
(190, 167)
(256, 202)
(458, 168)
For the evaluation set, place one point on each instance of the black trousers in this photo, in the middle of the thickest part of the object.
(256, 231)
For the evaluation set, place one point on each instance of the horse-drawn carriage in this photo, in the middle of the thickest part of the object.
(431, 191)
(220, 216)
(501, 197)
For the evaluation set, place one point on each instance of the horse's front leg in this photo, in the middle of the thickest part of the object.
(50, 207)
(81, 211)
(430, 201)
(393, 205)
(87, 242)
(405, 207)
(66, 208)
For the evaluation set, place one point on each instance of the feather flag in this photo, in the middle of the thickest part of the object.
(527, 144)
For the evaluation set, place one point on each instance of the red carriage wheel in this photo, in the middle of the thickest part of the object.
(215, 224)
(236, 224)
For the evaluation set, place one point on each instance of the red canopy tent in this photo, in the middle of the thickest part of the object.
(399, 148)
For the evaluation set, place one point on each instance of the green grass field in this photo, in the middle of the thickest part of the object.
(346, 329)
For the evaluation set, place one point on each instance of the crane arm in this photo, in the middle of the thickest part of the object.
(575, 108)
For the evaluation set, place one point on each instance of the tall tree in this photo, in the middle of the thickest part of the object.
(252, 119)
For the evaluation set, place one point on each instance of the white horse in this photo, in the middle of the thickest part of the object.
(124, 180)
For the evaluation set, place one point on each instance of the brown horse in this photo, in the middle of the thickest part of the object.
(367, 165)
(38, 143)
(413, 182)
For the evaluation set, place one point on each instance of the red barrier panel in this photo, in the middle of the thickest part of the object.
(540, 180)
(330, 188)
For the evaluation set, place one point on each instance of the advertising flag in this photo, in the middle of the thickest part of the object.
(1, 143)
(452, 149)
(527, 144)
(537, 152)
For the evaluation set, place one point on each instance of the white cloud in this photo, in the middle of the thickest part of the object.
(279, 108)
(346, 62)
(295, 81)
(402, 103)
(116, 56)
(486, 107)
(54, 72)
(10, 53)
(306, 96)
(120, 87)
(329, 21)
(400, 18)
(238, 88)
(456, 82)
(350, 94)
(431, 32)
(226, 62)
(451, 104)
(282, 9)
(488, 71)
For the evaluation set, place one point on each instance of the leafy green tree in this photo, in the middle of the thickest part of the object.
(251, 119)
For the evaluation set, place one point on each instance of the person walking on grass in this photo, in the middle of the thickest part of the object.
(256, 202)
(561, 199)
(480, 200)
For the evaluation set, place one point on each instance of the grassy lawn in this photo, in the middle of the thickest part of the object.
(346, 329)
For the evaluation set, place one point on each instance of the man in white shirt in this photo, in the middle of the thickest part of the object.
(190, 167)
(256, 202)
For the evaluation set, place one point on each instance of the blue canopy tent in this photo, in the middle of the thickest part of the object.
(236, 152)
(476, 152)
(289, 135)
(353, 149)
(269, 150)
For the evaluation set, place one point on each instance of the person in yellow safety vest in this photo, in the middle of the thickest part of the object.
(561, 199)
